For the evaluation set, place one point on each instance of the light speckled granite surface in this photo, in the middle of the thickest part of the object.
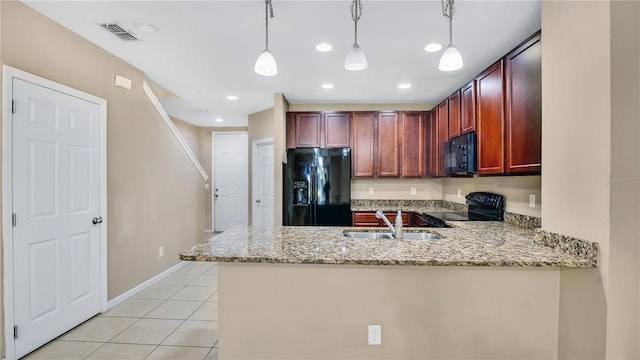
(465, 244)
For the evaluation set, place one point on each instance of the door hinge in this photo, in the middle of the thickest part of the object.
(14, 220)
(13, 106)
(15, 332)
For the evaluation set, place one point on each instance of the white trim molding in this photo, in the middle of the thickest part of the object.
(8, 74)
(174, 130)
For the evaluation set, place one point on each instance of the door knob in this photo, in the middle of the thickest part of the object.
(258, 201)
(97, 220)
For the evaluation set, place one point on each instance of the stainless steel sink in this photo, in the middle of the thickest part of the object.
(387, 235)
(368, 235)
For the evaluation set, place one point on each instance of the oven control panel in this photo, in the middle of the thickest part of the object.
(485, 199)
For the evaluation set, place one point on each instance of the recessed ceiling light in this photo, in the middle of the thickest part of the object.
(232, 97)
(218, 120)
(327, 86)
(324, 47)
(433, 47)
(144, 26)
(404, 86)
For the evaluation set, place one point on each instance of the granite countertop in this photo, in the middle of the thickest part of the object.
(467, 243)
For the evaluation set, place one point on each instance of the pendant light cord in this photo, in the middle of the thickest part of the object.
(448, 9)
(356, 12)
(268, 12)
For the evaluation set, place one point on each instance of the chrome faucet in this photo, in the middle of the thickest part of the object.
(381, 215)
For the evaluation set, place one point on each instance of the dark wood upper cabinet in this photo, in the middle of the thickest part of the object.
(443, 136)
(387, 164)
(291, 130)
(468, 108)
(412, 145)
(362, 144)
(490, 117)
(523, 115)
(308, 129)
(454, 115)
(431, 132)
(336, 130)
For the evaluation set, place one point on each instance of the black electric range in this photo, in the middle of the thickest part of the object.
(483, 206)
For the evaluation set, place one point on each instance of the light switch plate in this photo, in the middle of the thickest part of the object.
(375, 335)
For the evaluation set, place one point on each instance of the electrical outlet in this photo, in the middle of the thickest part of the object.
(459, 193)
(532, 200)
(371, 191)
(413, 191)
(161, 251)
(375, 335)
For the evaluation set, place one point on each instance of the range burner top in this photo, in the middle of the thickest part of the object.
(449, 216)
(482, 207)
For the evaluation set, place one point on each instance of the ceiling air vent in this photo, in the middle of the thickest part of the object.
(118, 31)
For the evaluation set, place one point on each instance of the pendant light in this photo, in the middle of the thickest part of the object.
(266, 63)
(451, 58)
(355, 60)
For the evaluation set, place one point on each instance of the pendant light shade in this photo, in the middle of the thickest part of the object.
(451, 59)
(266, 63)
(355, 60)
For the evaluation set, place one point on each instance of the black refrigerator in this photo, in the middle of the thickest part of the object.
(317, 187)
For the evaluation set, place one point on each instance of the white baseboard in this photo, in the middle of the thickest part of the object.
(128, 294)
(208, 231)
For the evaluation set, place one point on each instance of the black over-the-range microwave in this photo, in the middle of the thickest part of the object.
(460, 155)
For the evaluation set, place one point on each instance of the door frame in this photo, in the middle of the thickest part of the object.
(8, 74)
(254, 169)
(212, 187)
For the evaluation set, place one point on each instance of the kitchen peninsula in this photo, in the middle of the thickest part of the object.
(485, 290)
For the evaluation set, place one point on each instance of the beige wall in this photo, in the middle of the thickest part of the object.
(280, 108)
(591, 189)
(260, 127)
(425, 312)
(205, 160)
(397, 189)
(154, 196)
(516, 190)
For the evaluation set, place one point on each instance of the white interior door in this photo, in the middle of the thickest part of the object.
(263, 184)
(56, 195)
(230, 180)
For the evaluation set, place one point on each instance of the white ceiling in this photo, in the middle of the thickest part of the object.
(206, 50)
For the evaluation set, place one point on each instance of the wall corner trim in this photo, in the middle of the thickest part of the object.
(174, 130)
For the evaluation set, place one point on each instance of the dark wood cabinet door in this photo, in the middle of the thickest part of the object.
(336, 130)
(431, 132)
(454, 115)
(308, 129)
(362, 144)
(387, 159)
(468, 108)
(443, 136)
(412, 148)
(490, 116)
(291, 130)
(524, 108)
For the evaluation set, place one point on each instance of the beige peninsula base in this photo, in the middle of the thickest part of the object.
(287, 311)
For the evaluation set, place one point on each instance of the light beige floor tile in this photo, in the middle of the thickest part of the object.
(158, 292)
(64, 350)
(147, 331)
(122, 352)
(177, 279)
(213, 354)
(196, 267)
(194, 333)
(179, 352)
(213, 297)
(99, 328)
(205, 280)
(194, 293)
(208, 311)
(175, 310)
(133, 308)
